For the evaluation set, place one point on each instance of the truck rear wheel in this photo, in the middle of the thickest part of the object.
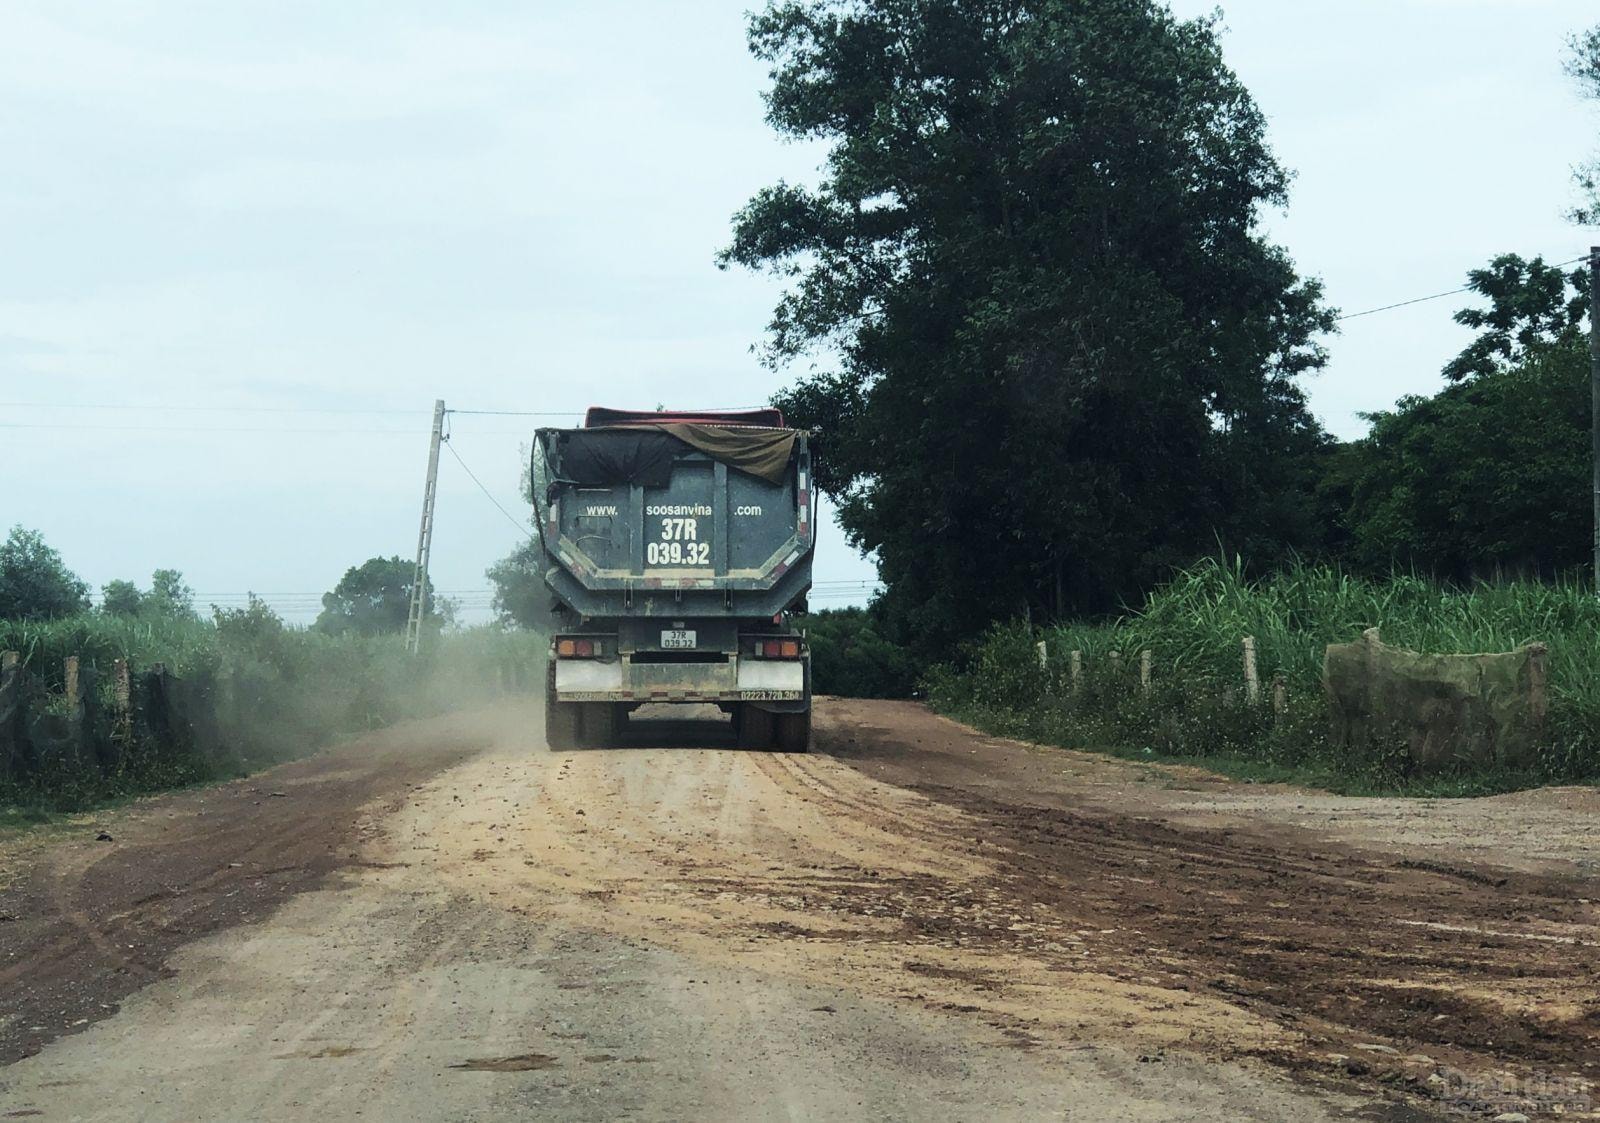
(755, 727)
(794, 732)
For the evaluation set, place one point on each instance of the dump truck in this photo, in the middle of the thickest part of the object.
(677, 547)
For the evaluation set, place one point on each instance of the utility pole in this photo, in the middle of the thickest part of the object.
(419, 575)
(1594, 397)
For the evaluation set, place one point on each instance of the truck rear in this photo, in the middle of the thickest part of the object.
(677, 547)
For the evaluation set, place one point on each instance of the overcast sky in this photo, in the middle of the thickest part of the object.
(360, 207)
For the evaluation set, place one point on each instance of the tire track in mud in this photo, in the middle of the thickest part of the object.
(1487, 972)
(1342, 958)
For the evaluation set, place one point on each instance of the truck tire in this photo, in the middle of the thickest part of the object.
(755, 727)
(794, 732)
(561, 725)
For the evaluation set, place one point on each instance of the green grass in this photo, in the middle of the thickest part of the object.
(17, 818)
(1195, 711)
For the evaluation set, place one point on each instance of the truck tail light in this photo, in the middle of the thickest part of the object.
(778, 649)
(578, 648)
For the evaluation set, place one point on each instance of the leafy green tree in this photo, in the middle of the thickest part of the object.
(1531, 309)
(373, 598)
(255, 636)
(852, 656)
(120, 598)
(169, 595)
(35, 584)
(1068, 359)
(1490, 477)
(1583, 65)
(521, 596)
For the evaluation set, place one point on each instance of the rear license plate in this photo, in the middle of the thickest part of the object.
(676, 639)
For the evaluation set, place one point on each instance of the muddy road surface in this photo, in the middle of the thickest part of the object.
(448, 921)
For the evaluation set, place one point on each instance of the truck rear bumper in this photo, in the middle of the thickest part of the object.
(737, 680)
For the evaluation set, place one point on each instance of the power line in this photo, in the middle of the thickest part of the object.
(1437, 295)
(548, 413)
(198, 429)
(1401, 304)
(138, 407)
(513, 413)
(326, 430)
(516, 522)
(164, 408)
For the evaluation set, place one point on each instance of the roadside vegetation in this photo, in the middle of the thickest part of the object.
(853, 656)
(242, 691)
(211, 697)
(1196, 709)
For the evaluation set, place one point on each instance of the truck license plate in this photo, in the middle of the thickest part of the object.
(676, 639)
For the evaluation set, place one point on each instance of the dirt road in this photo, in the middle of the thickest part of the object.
(450, 922)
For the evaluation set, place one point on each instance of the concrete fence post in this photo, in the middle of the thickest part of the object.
(1044, 655)
(1280, 696)
(72, 686)
(1144, 672)
(1252, 680)
(1116, 664)
(1075, 661)
(10, 660)
(122, 688)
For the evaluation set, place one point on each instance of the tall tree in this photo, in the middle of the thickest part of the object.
(373, 598)
(1531, 309)
(169, 595)
(1491, 475)
(1067, 356)
(1583, 65)
(1488, 477)
(521, 596)
(35, 584)
(120, 598)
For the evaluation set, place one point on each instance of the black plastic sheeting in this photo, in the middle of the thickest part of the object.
(607, 457)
